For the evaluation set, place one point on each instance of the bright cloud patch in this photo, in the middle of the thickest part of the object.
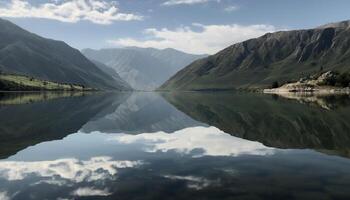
(210, 39)
(209, 140)
(89, 191)
(179, 2)
(97, 168)
(96, 11)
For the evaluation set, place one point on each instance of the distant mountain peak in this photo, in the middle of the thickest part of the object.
(143, 68)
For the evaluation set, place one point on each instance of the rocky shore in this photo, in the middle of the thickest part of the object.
(320, 84)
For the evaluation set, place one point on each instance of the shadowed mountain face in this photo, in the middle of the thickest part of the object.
(275, 122)
(22, 52)
(281, 56)
(143, 68)
(23, 123)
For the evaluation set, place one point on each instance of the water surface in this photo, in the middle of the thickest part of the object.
(173, 146)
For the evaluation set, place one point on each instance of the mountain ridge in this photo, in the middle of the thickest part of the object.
(256, 63)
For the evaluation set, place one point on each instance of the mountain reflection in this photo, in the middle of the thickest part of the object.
(30, 118)
(50, 116)
(275, 122)
(192, 146)
(325, 101)
(140, 113)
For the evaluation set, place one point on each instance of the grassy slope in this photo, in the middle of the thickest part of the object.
(10, 82)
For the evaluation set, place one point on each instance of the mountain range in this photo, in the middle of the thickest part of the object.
(281, 56)
(25, 53)
(143, 68)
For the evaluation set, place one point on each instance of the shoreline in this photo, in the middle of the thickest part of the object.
(320, 91)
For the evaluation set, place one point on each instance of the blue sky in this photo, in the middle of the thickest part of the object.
(195, 26)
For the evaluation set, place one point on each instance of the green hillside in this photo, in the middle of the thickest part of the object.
(257, 63)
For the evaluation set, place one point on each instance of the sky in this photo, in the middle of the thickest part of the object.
(193, 26)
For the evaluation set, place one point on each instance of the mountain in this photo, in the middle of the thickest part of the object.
(113, 73)
(143, 68)
(25, 53)
(257, 63)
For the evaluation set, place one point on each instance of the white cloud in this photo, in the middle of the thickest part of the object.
(210, 140)
(231, 8)
(179, 2)
(72, 11)
(210, 39)
(97, 168)
(89, 191)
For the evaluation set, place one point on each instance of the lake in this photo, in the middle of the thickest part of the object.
(189, 145)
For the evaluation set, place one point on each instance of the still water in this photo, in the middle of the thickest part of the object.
(174, 146)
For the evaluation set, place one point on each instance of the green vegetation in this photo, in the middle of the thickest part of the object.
(339, 80)
(275, 84)
(12, 82)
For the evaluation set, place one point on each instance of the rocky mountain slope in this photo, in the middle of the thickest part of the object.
(256, 63)
(25, 53)
(143, 68)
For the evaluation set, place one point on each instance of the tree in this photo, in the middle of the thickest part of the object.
(275, 84)
(344, 79)
(321, 68)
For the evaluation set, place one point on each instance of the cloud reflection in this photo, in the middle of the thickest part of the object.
(193, 182)
(210, 140)
(89, 191)
(97, 168)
